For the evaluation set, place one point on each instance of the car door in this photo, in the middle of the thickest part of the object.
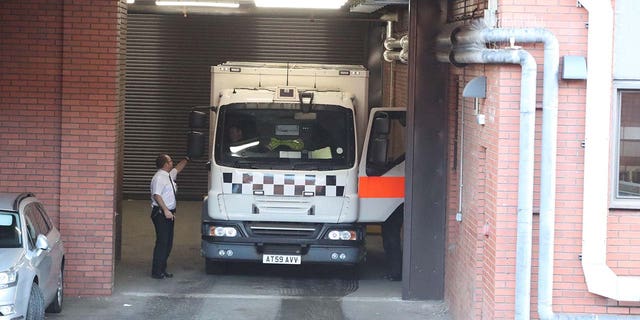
(381, 174)
(55, 252)
(40, 259)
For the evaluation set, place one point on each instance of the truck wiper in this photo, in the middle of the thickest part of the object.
(313, 166)
(307, 166)
(244, 164)
(250, 164)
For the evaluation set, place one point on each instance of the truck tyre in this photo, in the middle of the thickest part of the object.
(214, 267)
(56, 304)
(35, 309)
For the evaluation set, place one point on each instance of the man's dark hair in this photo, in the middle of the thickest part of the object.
(161, 160)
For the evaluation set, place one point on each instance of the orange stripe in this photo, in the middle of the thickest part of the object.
(381, 187)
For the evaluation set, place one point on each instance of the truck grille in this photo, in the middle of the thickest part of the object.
(293, 230)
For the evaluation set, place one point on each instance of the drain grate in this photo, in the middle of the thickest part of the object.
(318, 287)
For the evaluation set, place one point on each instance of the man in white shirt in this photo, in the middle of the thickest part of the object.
(163, 202)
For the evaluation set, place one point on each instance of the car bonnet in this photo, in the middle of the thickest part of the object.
(9, 257)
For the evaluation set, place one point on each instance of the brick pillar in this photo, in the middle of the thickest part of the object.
(91, 112)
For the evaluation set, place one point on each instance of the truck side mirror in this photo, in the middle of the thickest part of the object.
(197, 119)
(381, 124)
(378, 151)
(195, 144)
(379, 141)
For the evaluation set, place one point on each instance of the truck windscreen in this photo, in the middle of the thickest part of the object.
(282, 136)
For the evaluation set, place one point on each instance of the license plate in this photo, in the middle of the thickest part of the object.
(280, 259)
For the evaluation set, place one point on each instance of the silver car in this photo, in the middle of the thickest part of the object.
(31, 259)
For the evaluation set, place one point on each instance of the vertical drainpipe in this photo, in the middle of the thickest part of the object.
(548, 155)
(547, 174)
(526, 157)
(480, 35)
(547, 169)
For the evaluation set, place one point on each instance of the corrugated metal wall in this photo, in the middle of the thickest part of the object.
(168, 65)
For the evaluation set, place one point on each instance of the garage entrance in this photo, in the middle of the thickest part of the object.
(65, 137)
(168, 59)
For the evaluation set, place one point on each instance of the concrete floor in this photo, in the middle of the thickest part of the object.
(246, 291)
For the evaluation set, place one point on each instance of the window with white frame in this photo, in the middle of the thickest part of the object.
(627, 146)
(625, 138)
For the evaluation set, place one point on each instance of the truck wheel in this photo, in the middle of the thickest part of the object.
(56, 304)
(214, 267)
(35, 309)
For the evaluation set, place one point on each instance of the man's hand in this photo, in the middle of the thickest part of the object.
(168, 214)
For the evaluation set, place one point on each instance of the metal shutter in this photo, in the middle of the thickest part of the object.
(167, 72)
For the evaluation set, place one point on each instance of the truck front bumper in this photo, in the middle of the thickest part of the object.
(310, 242)
(234, 251)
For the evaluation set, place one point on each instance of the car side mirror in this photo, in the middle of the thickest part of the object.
(42, 242)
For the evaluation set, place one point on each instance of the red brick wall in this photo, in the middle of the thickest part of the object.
(62, 87)
(488, 292)
(91, 110)
(30, 95)
(472, 262)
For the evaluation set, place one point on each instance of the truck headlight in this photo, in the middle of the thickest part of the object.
(8, 278)
(223, 231)
(342, 235)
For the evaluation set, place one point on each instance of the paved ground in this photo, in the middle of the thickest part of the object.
(246, 291)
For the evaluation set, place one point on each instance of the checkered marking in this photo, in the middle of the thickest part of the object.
(282, 184)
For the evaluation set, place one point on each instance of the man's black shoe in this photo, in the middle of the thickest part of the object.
(158, 276)
(168, 275)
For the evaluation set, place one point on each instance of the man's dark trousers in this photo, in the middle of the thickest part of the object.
(164, 240)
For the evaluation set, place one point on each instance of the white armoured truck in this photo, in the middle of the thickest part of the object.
(285, 180)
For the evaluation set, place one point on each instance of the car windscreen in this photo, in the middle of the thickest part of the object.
(10, 230)
(283, 136)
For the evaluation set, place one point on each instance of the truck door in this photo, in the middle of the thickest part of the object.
(381, 168)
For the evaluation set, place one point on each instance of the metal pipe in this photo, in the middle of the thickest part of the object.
(392, 85)
(476, 36)
(461, 182)
(549, 148)
(391, 56)
(525, 163)
(404, 53)
(548, 153)
(548, 163)
(390, 44)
